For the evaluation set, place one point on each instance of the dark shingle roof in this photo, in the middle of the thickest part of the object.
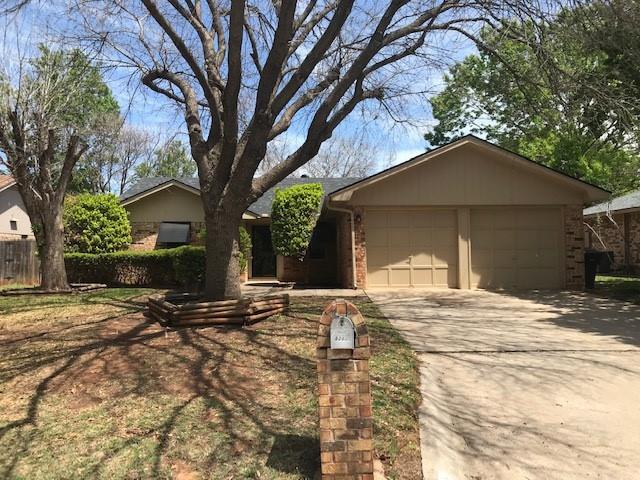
(261, 207)
(630, 200)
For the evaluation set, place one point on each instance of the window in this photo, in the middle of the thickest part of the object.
(173, 234)
(13, 224)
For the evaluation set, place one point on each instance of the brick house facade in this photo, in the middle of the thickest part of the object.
(618, 233)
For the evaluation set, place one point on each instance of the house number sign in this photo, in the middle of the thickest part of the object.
(343, 333)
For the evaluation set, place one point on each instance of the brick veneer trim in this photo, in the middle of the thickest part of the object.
(574, 247)
(344, 399)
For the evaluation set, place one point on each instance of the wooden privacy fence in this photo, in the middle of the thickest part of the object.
(19, 262)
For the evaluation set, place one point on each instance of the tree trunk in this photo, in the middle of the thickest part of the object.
(51, 248)
(223, 254)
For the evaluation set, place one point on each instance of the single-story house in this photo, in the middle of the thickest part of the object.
(14, 220)
(465, 215)
(614, 226)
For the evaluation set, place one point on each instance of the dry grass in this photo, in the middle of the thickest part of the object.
(90, 389)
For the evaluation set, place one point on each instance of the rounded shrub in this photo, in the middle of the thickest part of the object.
(95, 224)
(294, 214)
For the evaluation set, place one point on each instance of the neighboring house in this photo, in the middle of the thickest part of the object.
(14, 221)
(614, 226)
(466, 215)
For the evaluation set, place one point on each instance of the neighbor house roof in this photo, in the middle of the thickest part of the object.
(261, 207)
(624, 202)
(6, 181)
(593, 192)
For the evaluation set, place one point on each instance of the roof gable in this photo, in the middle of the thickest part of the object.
(260, 208)
(503, 158)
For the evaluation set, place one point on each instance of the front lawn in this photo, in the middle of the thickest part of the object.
(618, 287)
(90, 389)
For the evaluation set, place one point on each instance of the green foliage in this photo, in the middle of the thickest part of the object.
(172, 160)
(95, 224)
(182, 266)
(294, 213)
(244, 241)
(69, 90)
(575, 113)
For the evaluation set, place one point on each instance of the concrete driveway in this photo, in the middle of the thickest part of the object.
(523, 386)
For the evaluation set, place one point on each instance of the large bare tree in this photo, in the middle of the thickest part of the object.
(245, 72)
(47, 109)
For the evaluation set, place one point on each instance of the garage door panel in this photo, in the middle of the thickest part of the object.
(414, 247)
(400, 277)
(445, 255)
(398, 219)
(516, 248)
(377, 237)
(422, 277)
(422, 237)
(377, 277)
(445, 236)
(444, 218)
(399, 255)
(482, 239)
(399, 236)
(504, 239)
(377, 256)
(376, 219)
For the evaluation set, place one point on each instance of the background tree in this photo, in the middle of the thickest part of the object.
(243, 73)
(47, 113)
(115, 151)
(95, 224)
(171, 160)
(560, 93)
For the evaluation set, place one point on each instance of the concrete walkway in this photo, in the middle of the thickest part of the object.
(267, 288)
(524, 386)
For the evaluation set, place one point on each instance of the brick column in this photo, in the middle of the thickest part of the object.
(344, 388)
(574, 247)
(360, 246)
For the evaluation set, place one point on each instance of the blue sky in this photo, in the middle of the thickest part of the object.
(396, 141)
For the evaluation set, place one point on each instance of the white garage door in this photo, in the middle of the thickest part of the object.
(516, 248)
(411, 248)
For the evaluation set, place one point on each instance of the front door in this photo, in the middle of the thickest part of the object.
(263, 260)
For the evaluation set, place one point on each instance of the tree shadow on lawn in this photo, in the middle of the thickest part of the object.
(248, 392)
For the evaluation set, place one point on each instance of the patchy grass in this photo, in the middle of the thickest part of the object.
(618, 287)
(90, 389)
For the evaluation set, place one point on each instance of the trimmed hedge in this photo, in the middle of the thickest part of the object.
(294, 213)
(181, 266)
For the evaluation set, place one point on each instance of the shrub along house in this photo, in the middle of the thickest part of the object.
(465, 215)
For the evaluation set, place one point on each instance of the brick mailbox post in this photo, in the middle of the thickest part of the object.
(344, 387)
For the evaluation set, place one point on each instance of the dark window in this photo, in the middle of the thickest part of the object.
(322, 235)
(13, 224)
(173, 234)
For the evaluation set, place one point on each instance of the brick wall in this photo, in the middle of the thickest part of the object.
(574, 247)
(361, 248)
(344, 398)
(634, 240)
(612, 232)
(144, 234)
(345, 257)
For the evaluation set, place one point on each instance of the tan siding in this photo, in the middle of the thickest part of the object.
(172, 204)
(467, 176)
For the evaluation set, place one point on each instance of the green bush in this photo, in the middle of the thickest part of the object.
(182, 266)
(95, 224)
(244, 239)
(294, 213)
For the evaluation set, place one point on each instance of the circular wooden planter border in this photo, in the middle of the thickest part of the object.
(183, 310)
